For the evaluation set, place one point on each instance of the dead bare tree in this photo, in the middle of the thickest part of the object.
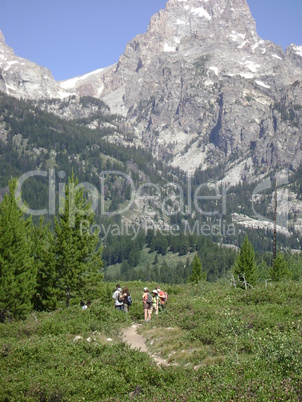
(233, 281)
(266, 282)
(245, 283)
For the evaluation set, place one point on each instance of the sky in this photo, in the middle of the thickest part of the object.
(74, 37)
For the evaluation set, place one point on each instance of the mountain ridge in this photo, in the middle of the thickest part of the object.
(199, 86)
(180, 81)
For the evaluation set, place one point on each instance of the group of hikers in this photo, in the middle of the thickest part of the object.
(85, 305)
(152, 302)
(122, 298)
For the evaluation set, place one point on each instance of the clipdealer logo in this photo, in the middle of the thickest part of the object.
(169, 199)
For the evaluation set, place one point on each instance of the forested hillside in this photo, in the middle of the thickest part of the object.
(35, 136)
(34, 139)
(247, 322)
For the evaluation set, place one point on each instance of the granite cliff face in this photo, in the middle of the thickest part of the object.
(199, 88)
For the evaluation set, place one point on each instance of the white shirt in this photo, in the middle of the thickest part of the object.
(115, 297)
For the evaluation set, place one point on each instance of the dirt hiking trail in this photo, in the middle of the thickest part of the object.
(137, 341)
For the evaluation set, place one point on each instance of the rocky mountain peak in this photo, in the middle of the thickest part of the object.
(211, 9)
(22, 78)
(206, 19)
(295, 54)
(199, 87)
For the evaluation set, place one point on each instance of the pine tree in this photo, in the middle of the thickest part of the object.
(262, 270)
(149, 237)
(147, 273)
(17, 268)
(197, 274)
(77, 254)
(163, 245)
(124, 268)
(46, 295)
(155, 261)
(183, 245)
(134, 255)
(245, 265)
(280, 270)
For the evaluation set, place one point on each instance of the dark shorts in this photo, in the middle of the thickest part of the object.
(119, 307)
(147, 306)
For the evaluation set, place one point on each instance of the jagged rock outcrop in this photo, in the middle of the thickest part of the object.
(22, 78)
(294, 53)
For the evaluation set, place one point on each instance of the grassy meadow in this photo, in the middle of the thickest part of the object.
(147, 258)
(221, 343)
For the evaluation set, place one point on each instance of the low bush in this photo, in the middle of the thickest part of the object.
(222, 343)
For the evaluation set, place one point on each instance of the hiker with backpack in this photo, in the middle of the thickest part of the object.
(155, 301)
(126, 298)
(163, 297)
(117, 296)
(83, 305)
(147, 303)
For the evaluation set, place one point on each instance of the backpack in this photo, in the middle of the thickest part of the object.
(129, 300)
(119, 297)
(163, 296)
(149, 299)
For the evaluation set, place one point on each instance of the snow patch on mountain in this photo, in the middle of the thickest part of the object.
(72, 82)
(236, 36)
(181, 21)
(298, 50)
(9, 64)
(275, 56)
(242, 44)
(253, 67)
(201, 12)
(215, 69)
(262, 84)
(168, 48)
(248, 76)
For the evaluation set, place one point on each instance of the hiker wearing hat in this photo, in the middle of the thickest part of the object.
(147, 303)
(155, 300)
(163, 297)
(117, 296)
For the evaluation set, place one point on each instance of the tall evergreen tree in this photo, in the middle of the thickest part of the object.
(280, 269)
(124, 268)
(134, 255)
(245, 263)
(197, 274)
(155, 261)
(17, 268)
(46, 295)
(163, 246)
(183, 245)
(77, 253)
